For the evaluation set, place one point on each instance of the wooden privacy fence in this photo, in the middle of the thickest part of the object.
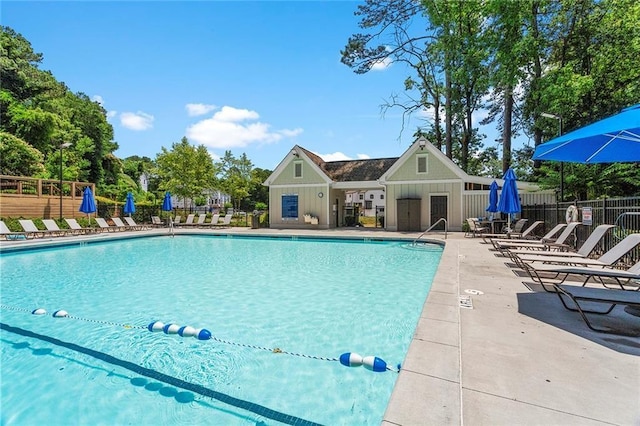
(32, 197)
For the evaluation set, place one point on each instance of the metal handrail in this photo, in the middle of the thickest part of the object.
(619, 223)
(442, 219)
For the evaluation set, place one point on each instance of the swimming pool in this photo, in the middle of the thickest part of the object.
(280, 310)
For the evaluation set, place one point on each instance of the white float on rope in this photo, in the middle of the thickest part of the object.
(171, 328)
(155, 326)
(187, 331)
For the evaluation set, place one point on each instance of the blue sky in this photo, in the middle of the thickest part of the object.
(250, 77)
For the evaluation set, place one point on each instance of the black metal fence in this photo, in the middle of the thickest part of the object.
(624, 213)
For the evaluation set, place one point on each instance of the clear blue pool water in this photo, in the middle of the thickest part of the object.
(310, 297)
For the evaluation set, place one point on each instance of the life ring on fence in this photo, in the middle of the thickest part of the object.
(572, 214)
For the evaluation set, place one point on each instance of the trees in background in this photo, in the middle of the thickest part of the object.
(576, 59)
(38, 114)
(515, 59)
(44, 113)
(185, 170)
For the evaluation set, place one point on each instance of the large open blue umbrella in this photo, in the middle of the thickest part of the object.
(493, 198)
(509, 199)
(129, 205)
(615, 139)
(88, 205)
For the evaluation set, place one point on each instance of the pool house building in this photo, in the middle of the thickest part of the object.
(412, 191)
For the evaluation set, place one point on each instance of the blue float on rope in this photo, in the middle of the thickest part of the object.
(351, 359)
(39, 311)
(203, 334)
(60, 314)
(374, 363)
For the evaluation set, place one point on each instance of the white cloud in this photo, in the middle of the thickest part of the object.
(232, 114)
(335, 156)
(111, 114)
(136, 120)
(98, 99)
(199, 109)
(381, 65)
(235, 128)
(341, 156)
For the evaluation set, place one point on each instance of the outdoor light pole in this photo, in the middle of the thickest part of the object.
(62, 146)
(557, 117)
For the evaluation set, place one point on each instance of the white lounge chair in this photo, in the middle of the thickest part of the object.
(527, 234)
(600, 296)
(585, 250)
(75, 226)
(188, 222)
(215, 218)
(156, 222)
(102, 223)
(516, 233)
(54, 229)
(547, 237)
(201, 219)
(8, 234)
(226, 221)
(475, 229)
(543, 244)
(132, 223)
(29, 226)
(611, 257)
(124, 226)
(550, 274)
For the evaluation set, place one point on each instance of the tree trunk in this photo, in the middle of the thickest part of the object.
(506, 129)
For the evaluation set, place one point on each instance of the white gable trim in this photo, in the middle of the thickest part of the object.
(295, 154)
(429, 148)
(299, 185)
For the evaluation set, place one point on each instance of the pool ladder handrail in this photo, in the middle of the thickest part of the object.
(619, 223)
(442, 219)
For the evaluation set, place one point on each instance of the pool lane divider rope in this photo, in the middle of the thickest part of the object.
(348, 359)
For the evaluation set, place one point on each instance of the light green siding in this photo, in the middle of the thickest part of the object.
(452, 190)
(309, 175)
(308, 203)
(436, 169)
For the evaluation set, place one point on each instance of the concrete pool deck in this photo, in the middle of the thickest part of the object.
(516, 358)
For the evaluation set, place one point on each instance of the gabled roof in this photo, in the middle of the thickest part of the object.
(342, 171)
(352, 170)
(379, 169)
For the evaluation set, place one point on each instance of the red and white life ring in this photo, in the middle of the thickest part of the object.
(572, 214)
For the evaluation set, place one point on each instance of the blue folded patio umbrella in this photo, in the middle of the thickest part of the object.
(615, 139)
(129, 205)
(88, 204)
(166, 203)
(493, 198)
(509, 202)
